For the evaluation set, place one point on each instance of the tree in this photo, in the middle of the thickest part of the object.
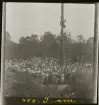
(54, 49)
(80, 39)
(80, 48)
(47, 39)
(89, 49)
(49, 44)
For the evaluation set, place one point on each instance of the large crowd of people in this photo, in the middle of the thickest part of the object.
(47, 68)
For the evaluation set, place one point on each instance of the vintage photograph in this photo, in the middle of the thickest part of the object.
(49, 50)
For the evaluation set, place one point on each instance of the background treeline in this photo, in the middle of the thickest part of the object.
(48, 45)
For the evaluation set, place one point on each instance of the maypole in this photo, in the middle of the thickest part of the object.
(61, 39)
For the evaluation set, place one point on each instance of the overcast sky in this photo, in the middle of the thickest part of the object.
(23, 19)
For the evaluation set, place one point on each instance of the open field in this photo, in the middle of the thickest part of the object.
(28, 83)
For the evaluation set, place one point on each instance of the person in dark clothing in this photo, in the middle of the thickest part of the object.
(50, 78)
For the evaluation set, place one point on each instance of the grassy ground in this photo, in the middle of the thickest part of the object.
(24, 84)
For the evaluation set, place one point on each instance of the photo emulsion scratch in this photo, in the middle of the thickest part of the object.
(49, 51)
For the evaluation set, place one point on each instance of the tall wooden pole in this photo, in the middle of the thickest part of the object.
(61, 39)
(95, 55)
(70, 47)
(3, 51)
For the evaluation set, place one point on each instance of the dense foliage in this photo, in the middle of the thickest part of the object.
(49, 45)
